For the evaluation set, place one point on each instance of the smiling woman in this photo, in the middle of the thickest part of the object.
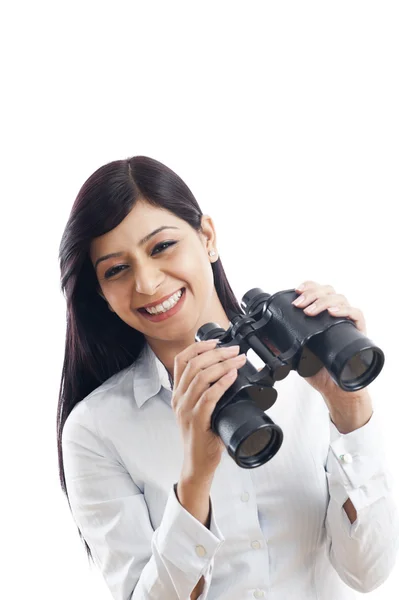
(163, 510)
(117, 251)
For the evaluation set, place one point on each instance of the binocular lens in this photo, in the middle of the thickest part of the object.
(255, 443)
(352, 359)
(259, 447)
(357, 367)
(250, 436)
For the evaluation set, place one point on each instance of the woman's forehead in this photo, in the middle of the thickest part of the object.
(141, 222)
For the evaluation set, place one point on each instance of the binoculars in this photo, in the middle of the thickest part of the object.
(285, 339)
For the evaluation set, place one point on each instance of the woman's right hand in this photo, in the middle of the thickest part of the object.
(202, 374)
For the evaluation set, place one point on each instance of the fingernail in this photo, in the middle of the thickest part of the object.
(299, 300)
(334, 308)
(301, 287)
(232, 349)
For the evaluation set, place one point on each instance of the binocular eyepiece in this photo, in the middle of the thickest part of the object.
(286, 339)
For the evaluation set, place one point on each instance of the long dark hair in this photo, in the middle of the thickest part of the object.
(98, 343)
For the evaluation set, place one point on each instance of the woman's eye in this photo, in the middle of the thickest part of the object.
(162, 246)
(113, 271)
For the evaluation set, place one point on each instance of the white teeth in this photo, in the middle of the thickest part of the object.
(166, 305)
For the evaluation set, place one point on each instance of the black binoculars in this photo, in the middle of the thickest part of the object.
(285, 339)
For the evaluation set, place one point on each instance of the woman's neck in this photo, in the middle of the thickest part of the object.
(166, 353)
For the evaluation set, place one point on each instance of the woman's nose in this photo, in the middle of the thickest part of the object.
(147, 280)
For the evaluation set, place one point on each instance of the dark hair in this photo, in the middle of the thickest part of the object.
(98, 343)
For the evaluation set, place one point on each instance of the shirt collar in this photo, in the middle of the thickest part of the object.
(149, 376)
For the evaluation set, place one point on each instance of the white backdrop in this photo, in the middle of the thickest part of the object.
(283, 120)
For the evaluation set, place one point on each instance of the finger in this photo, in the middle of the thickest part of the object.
(197, 364)
(208, 400)
(312, 294)
(311, 285)
(324, 302)
(306, 284)
(355, 314)
(208, 377)
(187, 354)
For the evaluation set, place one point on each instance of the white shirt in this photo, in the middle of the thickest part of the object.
(277, 531)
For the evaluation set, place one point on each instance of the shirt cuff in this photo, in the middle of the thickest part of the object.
(356, 465)
(184, 540)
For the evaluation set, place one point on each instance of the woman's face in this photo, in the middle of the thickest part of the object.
(149, 267)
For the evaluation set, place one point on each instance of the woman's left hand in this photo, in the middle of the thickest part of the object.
(314, 299)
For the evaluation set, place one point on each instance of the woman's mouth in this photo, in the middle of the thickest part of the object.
(169, 312)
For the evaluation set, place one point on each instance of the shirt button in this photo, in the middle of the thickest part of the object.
(200, 550)
(245, 497)
(256, 544)
(347, 458)
(259, 594)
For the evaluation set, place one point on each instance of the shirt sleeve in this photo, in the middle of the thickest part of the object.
(363, 553)
(136, 562)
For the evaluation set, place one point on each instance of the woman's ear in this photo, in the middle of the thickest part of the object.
(208, 232)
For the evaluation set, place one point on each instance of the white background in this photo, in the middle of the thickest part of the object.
(283, 120)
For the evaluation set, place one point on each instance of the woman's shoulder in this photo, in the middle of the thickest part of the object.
(101, 403)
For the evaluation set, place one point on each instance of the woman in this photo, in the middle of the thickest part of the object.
(163, 510)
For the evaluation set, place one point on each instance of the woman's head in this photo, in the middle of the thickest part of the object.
(152, 255)
(119, 204)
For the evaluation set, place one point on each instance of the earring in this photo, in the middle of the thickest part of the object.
(212, 253)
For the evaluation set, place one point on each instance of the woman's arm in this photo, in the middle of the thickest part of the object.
(112, 515)
(362, 518)
(195, 497)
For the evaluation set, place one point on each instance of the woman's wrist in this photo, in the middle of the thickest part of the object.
(194, 495)
(351, 412)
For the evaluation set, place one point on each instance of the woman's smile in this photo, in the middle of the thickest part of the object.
(168, 313)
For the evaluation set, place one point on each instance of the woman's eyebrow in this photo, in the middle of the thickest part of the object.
(150, 235)
(141, 242)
